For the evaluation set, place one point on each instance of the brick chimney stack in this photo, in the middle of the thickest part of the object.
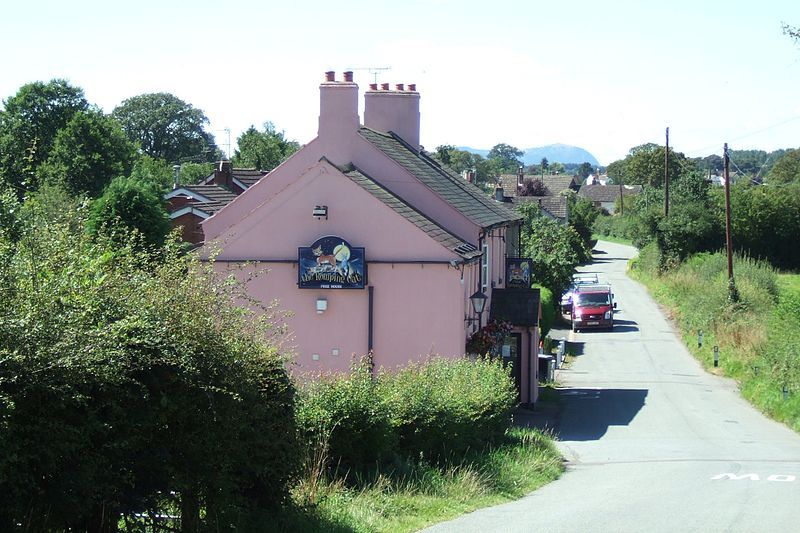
(338, 106)
(394, 110)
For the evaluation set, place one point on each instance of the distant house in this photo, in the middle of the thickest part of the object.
(554, 184)
(606, 196)
(189, 205)
(553, 204)
(553, 207)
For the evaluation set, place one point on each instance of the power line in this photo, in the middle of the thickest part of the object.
(749, 134)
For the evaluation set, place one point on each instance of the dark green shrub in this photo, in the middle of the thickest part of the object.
(128, 387)
(549, 306)
(346, 411)
(442, 408)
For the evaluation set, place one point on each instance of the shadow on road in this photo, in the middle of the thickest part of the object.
(625, 325)
(574, 348)
(586, 414)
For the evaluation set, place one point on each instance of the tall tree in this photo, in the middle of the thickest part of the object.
(129, 205)
(644, 165)
(263, 150)
(29, 125)
(505, 157)
(786, 169)
(88, 153)
(584, 170)
(166, 127)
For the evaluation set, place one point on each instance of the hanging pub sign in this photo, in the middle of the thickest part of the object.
(518, 272)
(331, 263)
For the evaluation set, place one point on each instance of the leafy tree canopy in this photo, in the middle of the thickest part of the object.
(29, 125)
(129, 206)
(585, 169)
(154, 171)
(644, 165)
(505, 157)
(555, 249)
(263, 150)
(88, 152)
(166, 127)
(461, 160)
(786, 169)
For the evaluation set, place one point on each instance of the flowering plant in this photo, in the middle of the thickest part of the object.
(489, 338)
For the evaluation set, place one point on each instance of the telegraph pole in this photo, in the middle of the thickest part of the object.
(732, 293)
(666, 177)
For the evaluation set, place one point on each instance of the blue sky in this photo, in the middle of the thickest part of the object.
(605, 76)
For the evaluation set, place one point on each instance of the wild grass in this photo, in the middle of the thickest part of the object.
(758, 336)
(409, 495)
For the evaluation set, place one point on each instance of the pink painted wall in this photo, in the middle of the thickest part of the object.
(418, 308)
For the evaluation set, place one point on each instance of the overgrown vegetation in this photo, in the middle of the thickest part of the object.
(555, 249)
(757, 336)
(404, 450)
(130, 390)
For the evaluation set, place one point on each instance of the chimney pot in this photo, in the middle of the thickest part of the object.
(412, 87)
(384, 86)
(348, 76)
(399, 87)
(373, 86)
(330, 76)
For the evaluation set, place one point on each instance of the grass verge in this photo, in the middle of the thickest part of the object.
(758, 336)
(409, 496)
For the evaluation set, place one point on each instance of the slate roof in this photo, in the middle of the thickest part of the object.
(607, 193)
(218, 197)
(468, 199)
(404, 209)
(553, 183)
(554, 205)
(520, 307)
(248, 176)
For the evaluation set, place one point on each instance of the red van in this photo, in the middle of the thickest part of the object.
(593, 307)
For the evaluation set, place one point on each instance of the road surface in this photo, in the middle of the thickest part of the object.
(653, 442)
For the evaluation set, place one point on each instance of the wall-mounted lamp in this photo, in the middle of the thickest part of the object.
(320, 211)
(322, 305)
(478, 301)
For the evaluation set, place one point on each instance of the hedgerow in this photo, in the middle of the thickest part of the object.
(130, 386)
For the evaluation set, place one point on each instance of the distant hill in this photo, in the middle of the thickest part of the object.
(563, 153)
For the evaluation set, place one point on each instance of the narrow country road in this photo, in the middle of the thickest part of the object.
(653, 442)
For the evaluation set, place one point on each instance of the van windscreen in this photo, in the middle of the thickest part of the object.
(593, 298)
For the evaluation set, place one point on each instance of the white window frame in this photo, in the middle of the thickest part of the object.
(486, 270)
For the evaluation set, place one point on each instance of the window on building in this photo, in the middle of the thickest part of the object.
(485, 273)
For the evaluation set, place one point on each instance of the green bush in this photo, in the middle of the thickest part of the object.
(441, 408)
(619, 226)
(346, 412)
(129, 388)
(549, 306)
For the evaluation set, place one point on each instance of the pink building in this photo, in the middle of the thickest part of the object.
(376, 248)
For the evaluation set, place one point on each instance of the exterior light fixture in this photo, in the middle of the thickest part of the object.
(322, 305)
(478, 301)
(320, 211)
